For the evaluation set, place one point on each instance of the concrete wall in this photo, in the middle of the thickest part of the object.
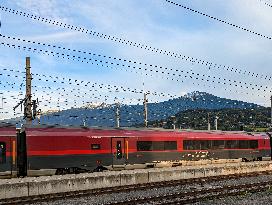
(31, 186)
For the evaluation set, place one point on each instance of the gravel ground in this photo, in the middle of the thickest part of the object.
(258, 198)
(262, 198)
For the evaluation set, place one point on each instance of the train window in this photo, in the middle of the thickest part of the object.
(144, 146)
(170, 145)
(204, 144)
(2, 152)
(191, 144)
(188, 145)
(95, 146)
(253, 144)
(218, 144)
(243, 144)
(231, 144)
(228, 144)
(196, 144)
(156, 145)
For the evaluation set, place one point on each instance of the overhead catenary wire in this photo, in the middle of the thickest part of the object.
(61, 90)
(114, 58)
(82, 83)
(76, 93)
(87, 60)
(127, 114)
(84, 94)
(265, 3)
(81, 94)
(219, 20)
(134, 44)
(190, 77)
(58, 93)
(50, 76)
(155, 69)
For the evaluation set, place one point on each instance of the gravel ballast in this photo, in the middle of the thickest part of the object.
(255, 198)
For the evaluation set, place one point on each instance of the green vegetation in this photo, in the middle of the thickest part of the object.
(257, 119)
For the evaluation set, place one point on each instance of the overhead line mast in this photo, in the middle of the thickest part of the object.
(28, 105)
(145, 110)
(29, 115)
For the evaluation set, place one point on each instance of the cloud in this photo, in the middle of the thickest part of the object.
(157, 24)
(54, 37)
(45, 8)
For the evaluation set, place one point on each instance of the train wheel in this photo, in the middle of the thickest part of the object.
(60, 171)
(100, 169)
(245, 160)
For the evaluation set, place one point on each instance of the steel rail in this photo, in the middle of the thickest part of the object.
(198, 195)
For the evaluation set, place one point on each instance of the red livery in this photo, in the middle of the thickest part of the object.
(72, 149)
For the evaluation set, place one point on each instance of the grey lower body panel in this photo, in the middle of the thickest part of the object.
(90, 162)
(7, 166)
(145, 157)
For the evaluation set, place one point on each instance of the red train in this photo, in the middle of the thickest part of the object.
(73, 149)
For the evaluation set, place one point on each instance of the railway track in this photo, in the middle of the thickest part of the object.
(194, 196)
(201, 181)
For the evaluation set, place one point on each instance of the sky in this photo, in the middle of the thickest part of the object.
(153, 23)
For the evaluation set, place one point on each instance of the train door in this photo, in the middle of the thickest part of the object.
(3, 155)
(270, 136)
(5, 160)
(119, 150)
(270, 145)
(7, 153)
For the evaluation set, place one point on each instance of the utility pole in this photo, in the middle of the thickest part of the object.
(117, 114)
(209, 125)
(21, 135)
(145, 109)
(215, 122)
(39, 113)
(28, 102)
(174, 121)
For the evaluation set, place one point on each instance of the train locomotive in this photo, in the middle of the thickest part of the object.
(73, 149)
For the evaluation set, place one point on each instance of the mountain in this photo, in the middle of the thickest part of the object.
(131, 115)
(254, 119)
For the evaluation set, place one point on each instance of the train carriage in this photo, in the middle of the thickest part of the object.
(227, 145)
(70, 150)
